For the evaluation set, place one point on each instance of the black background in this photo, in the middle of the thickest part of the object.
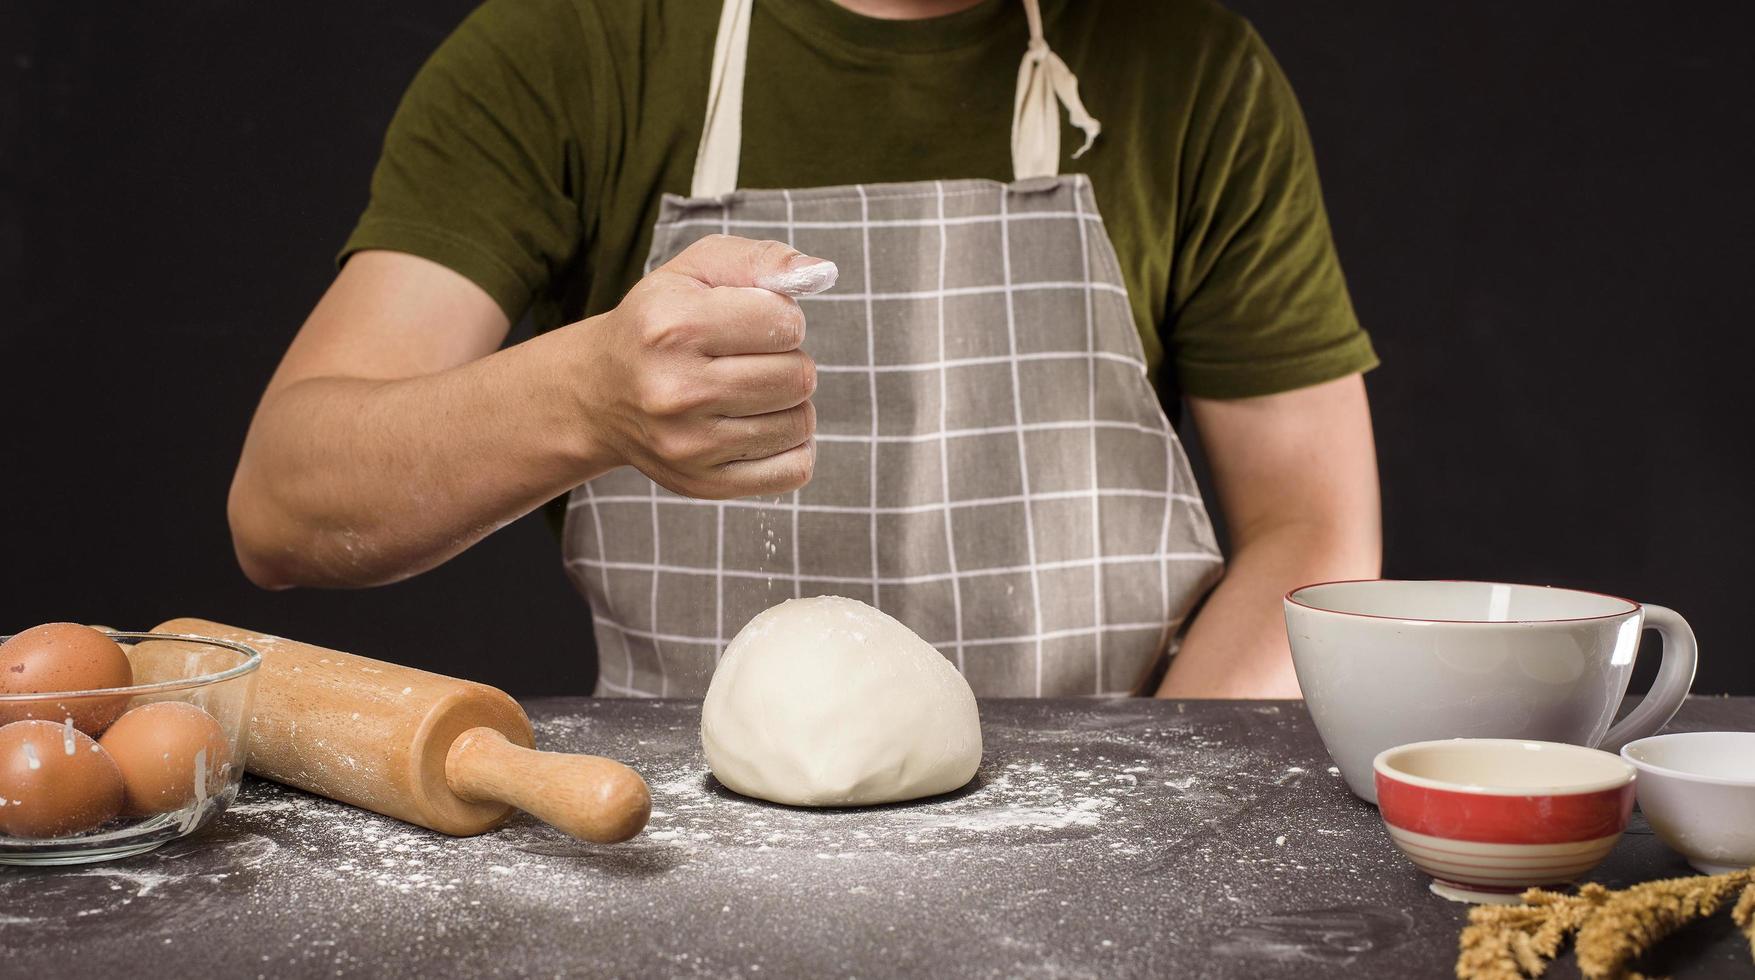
(1543, 208)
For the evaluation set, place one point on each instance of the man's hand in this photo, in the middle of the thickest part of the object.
(697, 378)
(394, 435)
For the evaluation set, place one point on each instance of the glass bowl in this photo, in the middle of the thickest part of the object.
(192, 787)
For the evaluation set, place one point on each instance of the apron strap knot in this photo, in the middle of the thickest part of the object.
(1043, 81)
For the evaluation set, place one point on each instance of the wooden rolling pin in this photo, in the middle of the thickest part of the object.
(448, 754)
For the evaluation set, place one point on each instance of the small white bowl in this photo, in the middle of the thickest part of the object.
(1697, 789)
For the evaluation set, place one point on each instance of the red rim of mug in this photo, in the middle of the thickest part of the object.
(1292, 597)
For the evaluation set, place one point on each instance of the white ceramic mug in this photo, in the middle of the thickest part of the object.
(1384, 662)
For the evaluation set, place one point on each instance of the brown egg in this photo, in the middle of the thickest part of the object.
(54, 780)
(63, 657)
(166, 751)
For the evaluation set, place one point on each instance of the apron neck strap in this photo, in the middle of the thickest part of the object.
(1043, 81)
(722, 130)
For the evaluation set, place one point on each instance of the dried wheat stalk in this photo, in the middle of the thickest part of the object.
(1510, 942)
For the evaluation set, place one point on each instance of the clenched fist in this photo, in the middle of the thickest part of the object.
(697, 378)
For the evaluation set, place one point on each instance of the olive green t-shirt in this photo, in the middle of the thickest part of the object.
(531, 152)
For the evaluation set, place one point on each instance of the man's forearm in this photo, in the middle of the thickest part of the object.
(1236, 647)
(352, 482)
(394, 436)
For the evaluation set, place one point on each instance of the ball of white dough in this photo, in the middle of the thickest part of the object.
(829, 702)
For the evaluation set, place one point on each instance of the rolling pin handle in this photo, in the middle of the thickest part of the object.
(589, 797)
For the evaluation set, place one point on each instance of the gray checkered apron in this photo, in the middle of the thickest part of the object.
(993, 466)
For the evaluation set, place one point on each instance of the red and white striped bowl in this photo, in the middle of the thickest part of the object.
(1488, 818)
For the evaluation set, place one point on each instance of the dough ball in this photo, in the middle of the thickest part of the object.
(829, 702)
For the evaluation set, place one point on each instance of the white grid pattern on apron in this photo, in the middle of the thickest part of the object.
(1096, 643)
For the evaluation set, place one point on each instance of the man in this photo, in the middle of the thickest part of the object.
(967, 439)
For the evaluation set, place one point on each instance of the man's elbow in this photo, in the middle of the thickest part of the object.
(261, 561)
(1335, 547)
(277, 549)
(1351, 550)
(262, 573)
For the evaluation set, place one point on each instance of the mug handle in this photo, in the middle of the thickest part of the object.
(1669, 689)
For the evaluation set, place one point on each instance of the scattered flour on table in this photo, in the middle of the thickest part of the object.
(1053, 812)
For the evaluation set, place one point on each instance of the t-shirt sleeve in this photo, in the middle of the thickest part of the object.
(479, 169)
(1258, 303)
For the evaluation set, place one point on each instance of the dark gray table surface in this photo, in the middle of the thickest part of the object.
(1100, 839)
